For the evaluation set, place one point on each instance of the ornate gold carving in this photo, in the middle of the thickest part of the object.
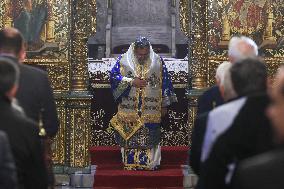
(50, 25)
(50, 28)
(81, 31)
(226, 34)
(126, 127)
(191, 119)
(213, 62)
(269, 26)
(59, 142)
(94, 16)
(6, 19)
(272, 66)
(58, 72)
(269, 41)
(212, 66)
(184, 16)
(192, 104)
(198, 65)
(78, 115)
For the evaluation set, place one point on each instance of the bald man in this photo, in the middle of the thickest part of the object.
(34, 94)
(267, 170)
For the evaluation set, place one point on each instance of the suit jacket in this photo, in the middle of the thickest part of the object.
(8, 173)
(209, 100)
(250, 134)
(264, 171)
(25, 145)
(36, 98)
(197, 138)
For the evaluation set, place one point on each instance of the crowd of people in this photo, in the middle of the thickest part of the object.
(26, 99)
(238, 133)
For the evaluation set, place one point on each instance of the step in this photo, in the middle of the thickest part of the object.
(167, 176)
(171, 155)
(105, 155)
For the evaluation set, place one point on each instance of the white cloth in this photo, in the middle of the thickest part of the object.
(155, 156)
(219, 120)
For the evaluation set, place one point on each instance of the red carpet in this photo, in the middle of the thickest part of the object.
(110, 173)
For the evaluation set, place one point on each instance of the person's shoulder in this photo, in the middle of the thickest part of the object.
(256, 103)
(211, 91)
(33, 70)
(3, 135)
(26, 123)
(258, 98)
(229, 106)
(202, 116)
(262, 162)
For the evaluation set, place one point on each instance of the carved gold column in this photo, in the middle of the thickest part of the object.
(198, 46)
(226, 32)
(50, 27)
(79, 101)
(268, 33)
(197, 57)
(184, 16)
(79, 130)
(50, 24)
(79, 37)
(7, 20)
(269, 41)
(226, 29)
(192, 104)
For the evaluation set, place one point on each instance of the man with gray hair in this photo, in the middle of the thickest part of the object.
(240, 47)
(22, 132)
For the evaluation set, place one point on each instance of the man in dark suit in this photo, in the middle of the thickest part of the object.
(200, 124)
(22, 132)
(34, 94)
(266, 171)
(197, 141)
(248, 134)
(8, 173)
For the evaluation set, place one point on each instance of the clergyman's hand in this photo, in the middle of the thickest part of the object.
(139, 83)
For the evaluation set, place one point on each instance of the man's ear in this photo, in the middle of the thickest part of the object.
(222, 90)
(22, 55)
(218, 81)
(269, 82)
(12, 92)
(231, 59)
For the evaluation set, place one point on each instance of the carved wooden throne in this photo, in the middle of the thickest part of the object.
(125, 20)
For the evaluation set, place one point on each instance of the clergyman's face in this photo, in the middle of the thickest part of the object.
(276, 109)
(142, 54)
